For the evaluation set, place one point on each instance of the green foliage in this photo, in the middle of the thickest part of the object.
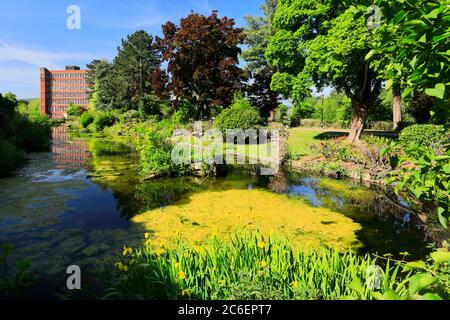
(126, 83)
(282, 115)
(250, 266)
(75, 111)
(86, 119)
(426, 281)
(155, 153)
(414, 47)
(14, 285)
(103, 120)
(258, 32)
(426, 135)
(202, 53)
(11, 157)
(240, 115)
(424, 176)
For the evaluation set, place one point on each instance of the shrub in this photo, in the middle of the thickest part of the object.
(240, 115)
(11, 157)
(129, 116)
(425, 135)
(310, 123)
(103, 119)
(155, 155)
(281, 115)
(75, 111)
(86, 119)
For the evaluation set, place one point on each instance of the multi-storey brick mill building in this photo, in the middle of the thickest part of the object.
(60, 88)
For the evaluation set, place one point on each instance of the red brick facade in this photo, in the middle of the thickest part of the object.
(60, 88)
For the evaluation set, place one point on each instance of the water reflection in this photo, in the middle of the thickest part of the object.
(68, 154)
(73, 206)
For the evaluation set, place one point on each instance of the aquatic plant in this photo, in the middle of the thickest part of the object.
(251, 266)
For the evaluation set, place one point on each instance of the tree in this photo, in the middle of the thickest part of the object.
(414, 46)
(102, 90)
(127, 81)
(133, 67)
(202, 55)
(322, 43)
(257, 34)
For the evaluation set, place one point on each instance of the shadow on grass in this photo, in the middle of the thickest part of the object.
(330, 135)
(336, 134)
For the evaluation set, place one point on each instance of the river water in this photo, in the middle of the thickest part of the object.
(78, 204)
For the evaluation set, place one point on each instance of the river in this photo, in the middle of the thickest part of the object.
(83, 201)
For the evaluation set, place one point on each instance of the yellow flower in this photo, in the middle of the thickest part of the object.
(121, 266)
(181, 275)
(186, 292)
(221, 282)
(147, 235)
(162, 245)
(127, 251)
(148, 243)
(294, 284)
(261, 244)
(263, 264)
(160, 252)
(177, 265)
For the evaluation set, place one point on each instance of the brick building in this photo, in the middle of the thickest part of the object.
(60, 88)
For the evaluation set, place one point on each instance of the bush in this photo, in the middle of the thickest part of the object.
(155, 155)
(240, 115)
(11, 157)
(425, 135)
(129, 116)
(75, 111)
(103, 119)
(86, 119)
(281, 115)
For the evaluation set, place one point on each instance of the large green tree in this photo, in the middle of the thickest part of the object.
(202, 55)
(414, 48)
(257, 34)
(322, 43)
(127, 81)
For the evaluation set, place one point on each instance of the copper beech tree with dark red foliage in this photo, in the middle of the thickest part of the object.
(202, 55)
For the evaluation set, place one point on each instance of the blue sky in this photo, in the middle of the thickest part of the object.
(34, 33)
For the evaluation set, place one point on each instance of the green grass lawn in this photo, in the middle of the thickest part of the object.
(301, 140)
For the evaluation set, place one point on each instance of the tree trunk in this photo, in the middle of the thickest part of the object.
(397, 107)
(358, 122)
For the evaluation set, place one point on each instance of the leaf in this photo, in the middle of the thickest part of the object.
(388, 295)
(438, 91)
(441, 37)
(423, 39)
(415, 23)
(431, 296)
(357, 286)
(440, 257)
(415, 265)
(400, 16)
(420, 281)
(389, 84)
(370, 54)
(442, 219)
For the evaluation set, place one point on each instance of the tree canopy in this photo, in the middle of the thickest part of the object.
(322, 43)
(202, 54)
(257, 35)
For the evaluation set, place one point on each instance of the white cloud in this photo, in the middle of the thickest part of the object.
(9, 53)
